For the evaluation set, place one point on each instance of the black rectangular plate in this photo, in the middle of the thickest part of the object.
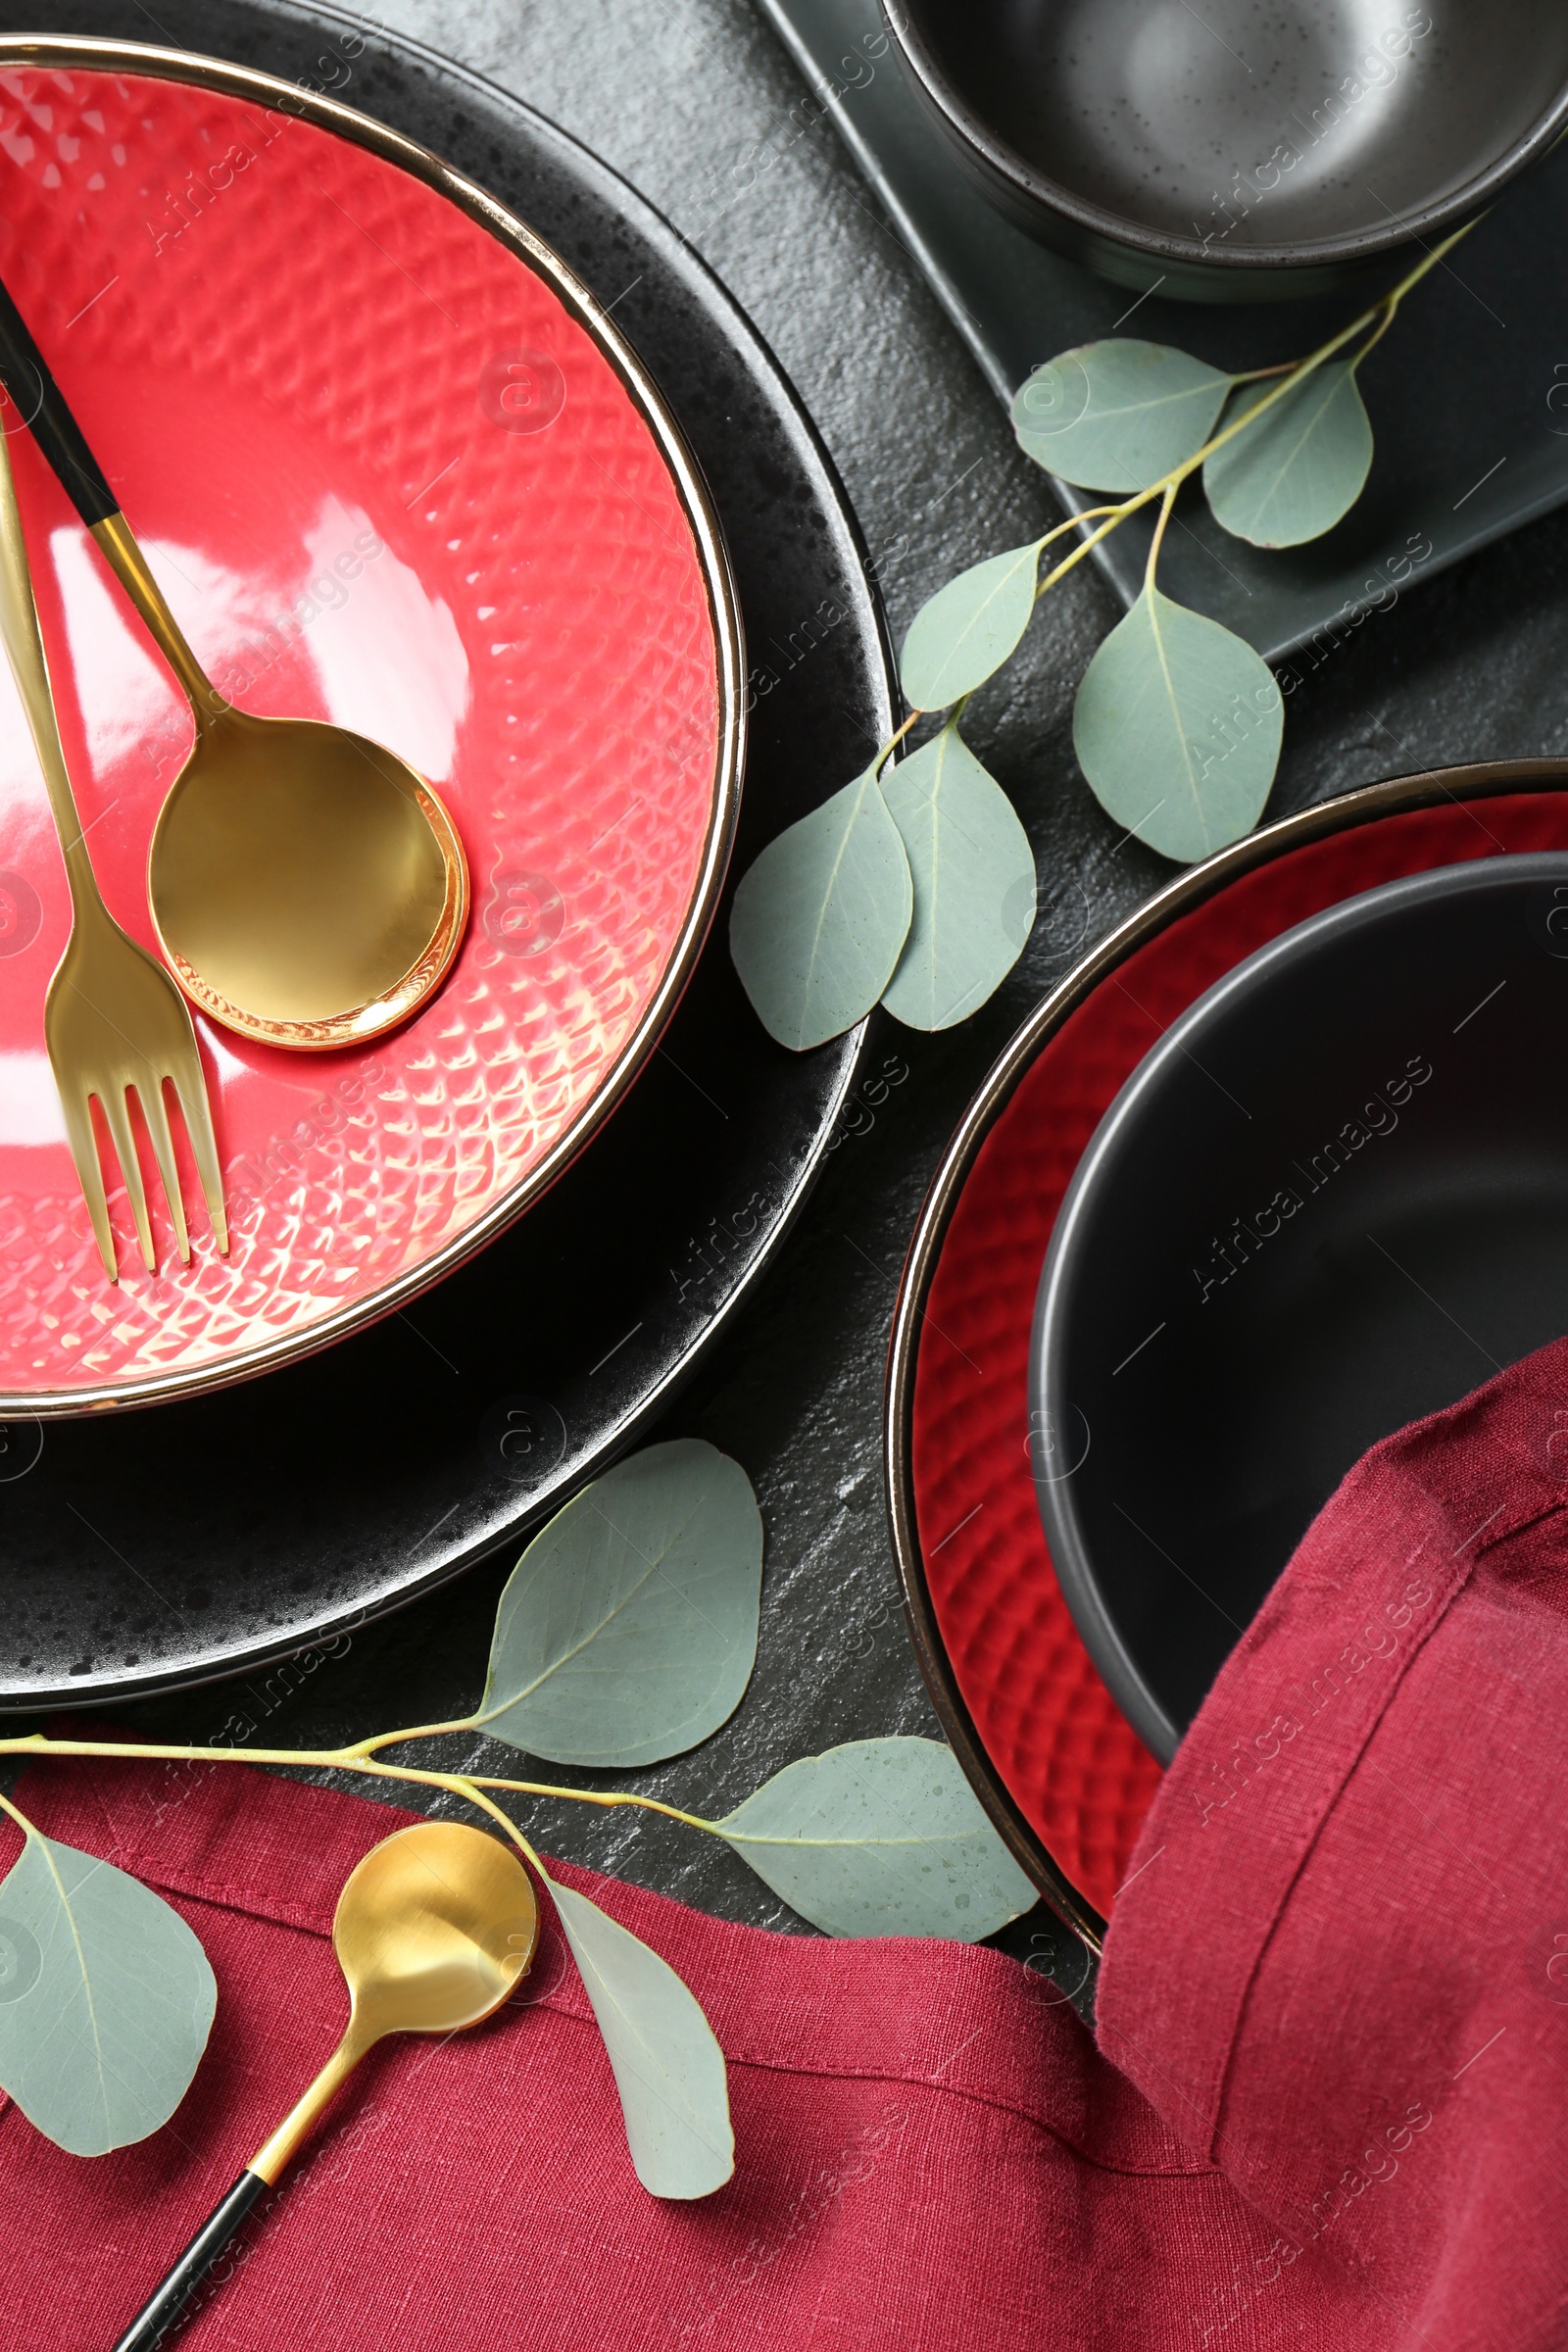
(1468, 393)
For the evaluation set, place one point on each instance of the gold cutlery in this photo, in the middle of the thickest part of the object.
(114, 1022)
(433, 1929)
(306, 884)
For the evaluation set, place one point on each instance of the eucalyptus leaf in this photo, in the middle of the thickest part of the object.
(1176, 727)
(880, 1838)
(668, 2069)
(1117, 414)
(627, 1630)
(974, 883)
(968, 628)
(819, 920)
(106, 2000)
(1303, 464)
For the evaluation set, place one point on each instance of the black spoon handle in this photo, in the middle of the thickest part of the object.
(41, 403)
(156, 2317)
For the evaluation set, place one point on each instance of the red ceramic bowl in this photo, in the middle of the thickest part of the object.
(395, 468)
(1058, 1766)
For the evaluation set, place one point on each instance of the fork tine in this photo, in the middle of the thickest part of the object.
(118, 1113)
(77, 1109)
(191, 1087)
(155, 1113)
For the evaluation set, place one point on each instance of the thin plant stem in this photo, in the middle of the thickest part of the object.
(1073, 521)
(893, 742)
(332, 1759)
(1159, 532)
(1374, 338)
(17, 1815)
(421, 1731)
(488, 1805)
(1118, 517)
(595, 1796)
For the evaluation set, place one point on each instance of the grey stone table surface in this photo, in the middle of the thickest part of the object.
(695, 102)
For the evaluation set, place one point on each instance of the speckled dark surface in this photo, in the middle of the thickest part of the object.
(683, 97)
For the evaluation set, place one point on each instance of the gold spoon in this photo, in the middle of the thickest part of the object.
(433, 1931)
(306, 884)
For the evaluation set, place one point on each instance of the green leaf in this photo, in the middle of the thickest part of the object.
(1300, 468)
(881, 1837)
(819, 920)
(627, 1630)
(106, 2000)
(1117, 414)
(1177, 726)
(968, 628)
(974, 883)
(668, 2069)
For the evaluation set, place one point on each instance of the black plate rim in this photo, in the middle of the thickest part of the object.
(1344, 812)
(447, 73)
(1061, 1271)
(1435, 220)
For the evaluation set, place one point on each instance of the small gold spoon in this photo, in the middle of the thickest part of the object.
(433, 1931)
(306, 884)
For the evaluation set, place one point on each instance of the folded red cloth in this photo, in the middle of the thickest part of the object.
(930, 2151)
(1339, 1967)
(1337, 1980)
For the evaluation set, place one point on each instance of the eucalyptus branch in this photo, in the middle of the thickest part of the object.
(915, 886)
(875, 1837)
(1379, 316)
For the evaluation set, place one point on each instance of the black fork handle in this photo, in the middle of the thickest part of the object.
(41, 405)
(157, 2315)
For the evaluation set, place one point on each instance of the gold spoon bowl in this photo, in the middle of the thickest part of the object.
(433, 1930)
(306, 884)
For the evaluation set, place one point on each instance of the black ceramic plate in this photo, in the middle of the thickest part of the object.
(1333, 1198)
(160, 1547)
(1467, 397)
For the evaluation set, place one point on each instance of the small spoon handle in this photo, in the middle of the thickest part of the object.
(157, 2315)
(260, 2175)
(41, 405)
(23, 646)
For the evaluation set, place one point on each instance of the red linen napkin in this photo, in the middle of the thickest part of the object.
(1337, 1981)
(1339, 1967)
(930, 2151)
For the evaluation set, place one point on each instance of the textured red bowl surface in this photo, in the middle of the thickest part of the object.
(1060, 1745)
(386, 476)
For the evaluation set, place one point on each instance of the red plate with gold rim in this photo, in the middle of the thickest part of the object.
(396, 468)
(1058, 1766)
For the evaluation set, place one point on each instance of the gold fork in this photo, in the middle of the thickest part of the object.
(114, 1021)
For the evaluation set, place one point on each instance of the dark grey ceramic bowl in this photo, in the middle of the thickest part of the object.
(1234, 150)
(1333, 1198)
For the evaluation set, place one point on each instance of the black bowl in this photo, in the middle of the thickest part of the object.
(1332, 1198)
(1238, 150)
